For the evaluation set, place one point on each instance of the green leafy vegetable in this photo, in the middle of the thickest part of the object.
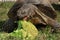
(26, 31)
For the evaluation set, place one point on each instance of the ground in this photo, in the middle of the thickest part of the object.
(43, 34)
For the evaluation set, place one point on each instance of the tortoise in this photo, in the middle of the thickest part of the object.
(36, 16)
(47, 9)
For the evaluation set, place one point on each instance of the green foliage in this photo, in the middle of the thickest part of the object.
(6, 4)
(26, 31)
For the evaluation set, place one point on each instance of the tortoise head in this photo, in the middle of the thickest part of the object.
(25, 11)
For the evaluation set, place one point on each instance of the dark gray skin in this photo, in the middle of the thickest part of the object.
(9, 26)
(13, 14)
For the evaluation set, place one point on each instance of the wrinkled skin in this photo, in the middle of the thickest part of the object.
(13, 14)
